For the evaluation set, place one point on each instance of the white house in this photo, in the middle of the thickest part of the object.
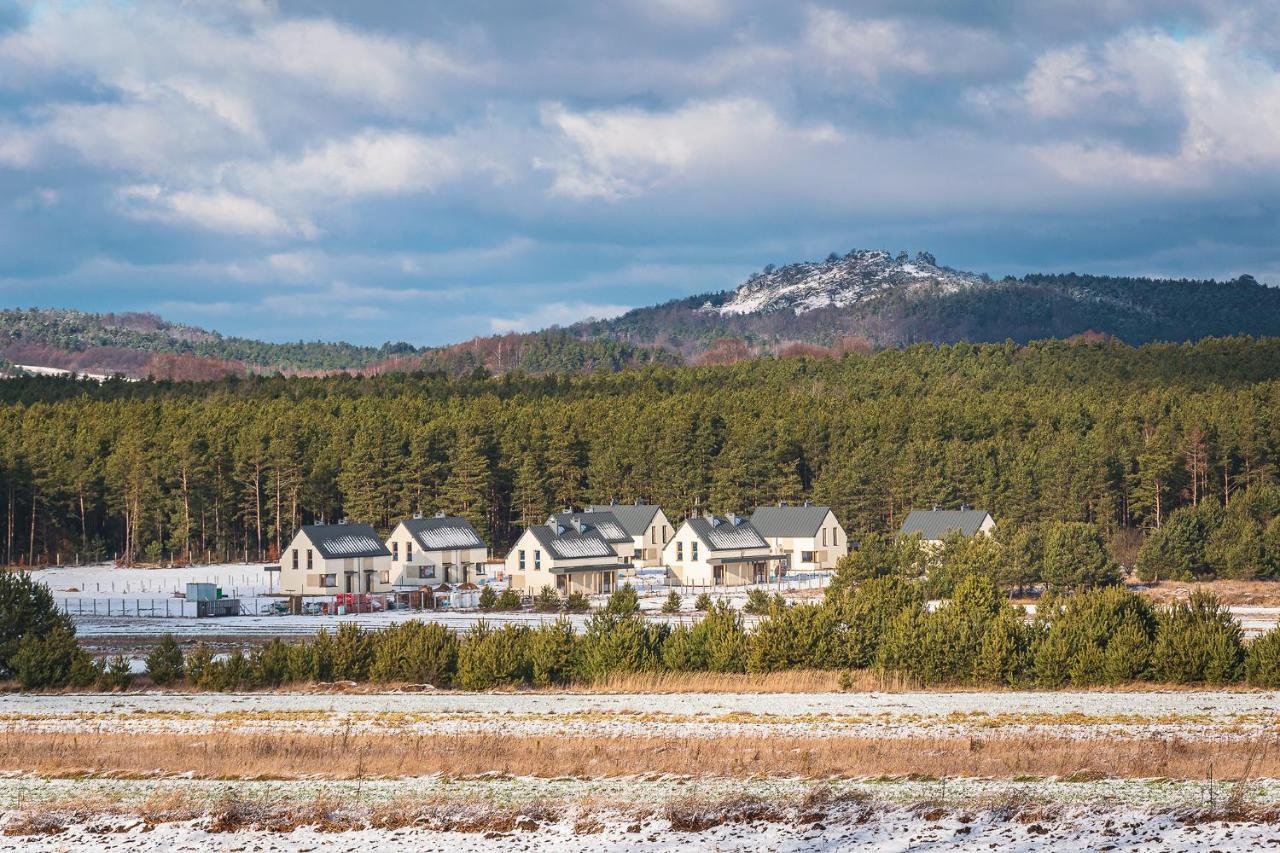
(809, 535)
(934, 525)
(569, 556)
(648, 527)
(439, 550)
(722, 551)
(324, 559)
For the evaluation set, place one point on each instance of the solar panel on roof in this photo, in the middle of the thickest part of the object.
(575, 547)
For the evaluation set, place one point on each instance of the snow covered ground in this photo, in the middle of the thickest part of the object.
(634, 814)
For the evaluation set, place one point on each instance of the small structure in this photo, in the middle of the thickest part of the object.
(569, 555)
(810, 535)
(327, 559)
(725, 551)
(935, 525)
(209, 601)
(648, 527)
(443, 549)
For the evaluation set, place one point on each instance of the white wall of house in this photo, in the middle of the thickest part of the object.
(648, 547)
(529, 568)
(689, 558)
(304, 571)
(412, 566)
(814, 553)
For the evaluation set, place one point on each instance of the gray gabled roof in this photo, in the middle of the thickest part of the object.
(937, 523)
(566, 542)
(789, 521)
(443, 533)
(635, 518)
(605, 522)
(339, 541)
(726, 534)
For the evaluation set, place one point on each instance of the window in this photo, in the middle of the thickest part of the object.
(295, 559)
(806, 556)
(384, 577)
(537, 559)
(479, 569)
(693, 550)
(328, 580)
(308, 559)
(427, 572)
(824, 537)
(666, 534)
(653, 535)
(408, 551)
(522, 561)
(395, 551)
(679, 552)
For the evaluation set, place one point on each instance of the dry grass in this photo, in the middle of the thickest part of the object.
(1229, 592)
(354, 756)
(790, 681)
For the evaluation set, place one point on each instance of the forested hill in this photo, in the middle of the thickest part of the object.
(1091, 431)
(862, 301)
(873, 299)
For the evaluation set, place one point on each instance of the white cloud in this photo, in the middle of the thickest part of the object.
(555, 314)
(617, 153)
(217, 211)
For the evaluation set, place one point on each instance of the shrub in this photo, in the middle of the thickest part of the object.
(546, 601)
(271, 664)
(877, 557)
(1176, 551)
(490, 658)
(1075, 557)
(352, 653)
(793, 637)
(859, 621)
(719, 640)
(488, 598)
(1197, 641)
(671, 604)
(509, 600)
(553, 652)
(1128, 653)
(702, 603)
(1091, 637)
(164, 663)
(52, 660)
(944, 646)
(26, 608)
(758, 603)
(618, 644)
(416, 652)
(1262, 660)
(623, 602)
(115, 674)
(197, 663)
(577, 603)
(1005, 654)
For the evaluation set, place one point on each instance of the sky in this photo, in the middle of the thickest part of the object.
(409, 170)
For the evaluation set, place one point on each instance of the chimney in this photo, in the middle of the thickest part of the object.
(440, 514)
(806, 503)
(964, 507)
(578, 525)
(935, 507)
(733, 518)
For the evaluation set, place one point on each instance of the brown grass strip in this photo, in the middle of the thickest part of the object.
(354, 756)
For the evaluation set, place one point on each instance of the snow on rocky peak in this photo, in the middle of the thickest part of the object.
(836, 282)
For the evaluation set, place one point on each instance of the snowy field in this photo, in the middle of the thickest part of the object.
(1219, 716)
(632, 814)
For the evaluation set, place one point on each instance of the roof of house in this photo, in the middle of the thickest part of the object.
(783, 520)
(443, 533)
(606, 522)
(937, 523)
(730, 533)
(338, 541)
(635, 518)
(568, 542)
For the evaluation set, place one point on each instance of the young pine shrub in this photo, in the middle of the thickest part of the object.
(702, 603)
(197, 663)
(415, 652)
(490, 658)
(1262, 660)
(671, 604)
(859, 620)
(1005, 654)
(615, 644)
(115, 674)
(164, 662)
(1128, 653)
(1198, 641)
(623, 602)
(270, 664)
(508, 600)
(721, 639)
(577, 603)
(352, 651)
(1098, 636)
(546, 601)
(680, 653)
(553, 653)
(793, 638)
(488, 598)
(54, 659)
(758, 603)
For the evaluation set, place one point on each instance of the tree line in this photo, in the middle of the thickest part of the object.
(1128, 440)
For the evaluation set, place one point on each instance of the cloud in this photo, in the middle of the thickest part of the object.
(218, 211)
(555, 314)
(613, 154)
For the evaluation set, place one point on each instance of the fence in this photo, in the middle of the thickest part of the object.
(181, 608)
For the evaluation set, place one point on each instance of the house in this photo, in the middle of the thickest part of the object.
(722, 551)
(324, 559)
(810, 535)
(606, 523)
(646, 524)
(934, 525)
(569, 553)
(443, 549)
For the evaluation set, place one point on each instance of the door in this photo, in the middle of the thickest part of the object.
(718, 575)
